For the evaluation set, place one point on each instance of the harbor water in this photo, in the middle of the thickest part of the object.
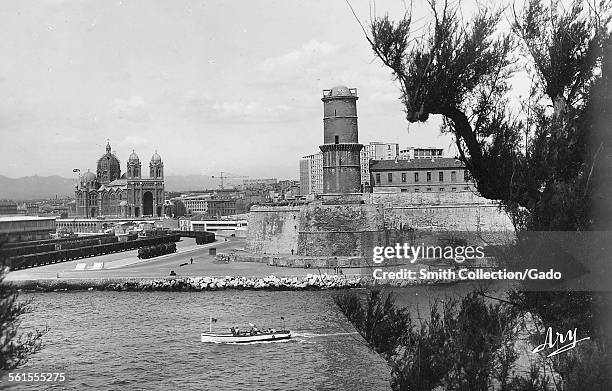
(151, 340)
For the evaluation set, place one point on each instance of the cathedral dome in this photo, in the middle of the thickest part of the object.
(133, 157)
(156, 158)
(108, 168)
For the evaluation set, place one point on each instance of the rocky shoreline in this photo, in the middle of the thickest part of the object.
(292, 283)
(269, 283)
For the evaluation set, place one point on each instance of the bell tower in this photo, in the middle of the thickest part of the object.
(341, 148)
(156, 167)
(133, 166)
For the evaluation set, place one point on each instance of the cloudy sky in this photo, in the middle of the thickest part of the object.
(231, 86)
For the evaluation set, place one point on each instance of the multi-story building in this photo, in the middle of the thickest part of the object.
(420, 175)
(108, 193)
(376, 151)
(420, 153)
(218, 207)
(210, 206)
(311, 166)
(311, 174)
(195, 204)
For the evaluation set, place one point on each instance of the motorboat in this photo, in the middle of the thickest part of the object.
(238, 336)
(246, 336)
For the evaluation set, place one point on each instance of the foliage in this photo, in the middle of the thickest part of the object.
(463, 345)
(547, 164)
(537, 162)
(378, 321)
(15, 347)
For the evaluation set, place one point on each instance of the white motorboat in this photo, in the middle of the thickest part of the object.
(246, 337)
(253, 335)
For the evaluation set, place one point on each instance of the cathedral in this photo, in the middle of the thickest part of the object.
(109, 193)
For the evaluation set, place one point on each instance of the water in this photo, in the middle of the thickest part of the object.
(151, 340)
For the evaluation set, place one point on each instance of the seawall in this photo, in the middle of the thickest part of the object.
(270, 283)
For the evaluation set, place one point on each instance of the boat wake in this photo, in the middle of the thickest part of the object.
(314, 335)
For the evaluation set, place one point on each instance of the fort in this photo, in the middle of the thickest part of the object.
(344, 222)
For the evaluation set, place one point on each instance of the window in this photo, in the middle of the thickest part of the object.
(466, 188)
(336, 139)
(390, 177)
(403, 177)
(453, 176)
(441, 176)
(404, 190)
(416, 176)
(429, 189)
(428, 176)
(466, 175)
(378, 179)
(441, 189)
(416, 190)
(454, 189)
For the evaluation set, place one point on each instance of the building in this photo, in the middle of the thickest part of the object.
(218, 207)
(26, 228)
(311, 174)
(210, 206)
(420, 175)
(341, 148)
(236, 223)
(420, 153)
(376, 151)
(341, 228)
(8, 207)
(109, 193)
(195, 204)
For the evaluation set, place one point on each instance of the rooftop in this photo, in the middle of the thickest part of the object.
(415, 164)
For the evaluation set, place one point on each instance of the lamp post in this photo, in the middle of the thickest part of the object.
(76, 202)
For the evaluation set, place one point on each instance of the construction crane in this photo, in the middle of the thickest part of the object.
(223, 177)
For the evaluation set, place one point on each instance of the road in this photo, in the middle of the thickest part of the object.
(127, 265)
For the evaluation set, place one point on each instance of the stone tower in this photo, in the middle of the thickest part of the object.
(341, 148)
(156, 167)
(133, 166)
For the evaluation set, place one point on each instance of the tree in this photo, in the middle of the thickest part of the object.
(547, 162)
(15, 347)
(536, 161)
(464, 344)
(378, 320)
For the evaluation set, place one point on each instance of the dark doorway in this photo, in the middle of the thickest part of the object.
(159, 211)
(137, 211)
(93, 212)
(147, 204)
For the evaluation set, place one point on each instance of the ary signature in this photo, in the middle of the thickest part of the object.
(562, 342)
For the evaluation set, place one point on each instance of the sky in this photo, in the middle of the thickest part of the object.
(232, 86)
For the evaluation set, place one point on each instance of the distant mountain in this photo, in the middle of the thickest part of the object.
(33, 187)
(37, 187)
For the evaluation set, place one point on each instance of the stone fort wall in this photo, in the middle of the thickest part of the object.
(383, 219)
